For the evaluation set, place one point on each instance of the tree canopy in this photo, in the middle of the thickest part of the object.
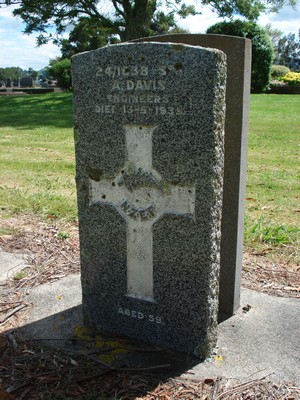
(262, 49)
(126, 19)
(287, 51)
(16, 73)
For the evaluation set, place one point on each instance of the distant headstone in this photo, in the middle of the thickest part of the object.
(238, 53)
(26, 82)
(149, 121)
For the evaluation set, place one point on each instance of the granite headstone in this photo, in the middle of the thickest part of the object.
(149, 138)
(27, 81)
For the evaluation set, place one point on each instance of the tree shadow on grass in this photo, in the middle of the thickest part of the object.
(34, 111)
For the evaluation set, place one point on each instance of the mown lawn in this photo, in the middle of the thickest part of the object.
(273, 191)
(37, 165)
(37, 160)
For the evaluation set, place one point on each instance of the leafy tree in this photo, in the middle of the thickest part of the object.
(10, 73)
(128, 19)
(60, 69)
(287, 51)
(88, 35)
(44, 74)
(32, 73)
(85, 36)
(16, 73)
(274, 33)
(262, 49)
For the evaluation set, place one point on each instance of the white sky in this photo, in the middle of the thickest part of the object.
(19, 50)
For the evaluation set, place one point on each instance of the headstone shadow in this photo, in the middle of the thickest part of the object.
(65, 333)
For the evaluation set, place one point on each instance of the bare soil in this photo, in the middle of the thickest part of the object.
(53, 252)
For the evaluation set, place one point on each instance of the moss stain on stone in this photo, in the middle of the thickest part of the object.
(178, 66)
(111, 348)
(95, 174)
(178, 47)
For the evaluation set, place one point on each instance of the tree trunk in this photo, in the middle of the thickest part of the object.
(138, 18)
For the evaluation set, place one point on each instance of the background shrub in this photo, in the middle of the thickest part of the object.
(61, 70)
(262, 49)
(278, 71)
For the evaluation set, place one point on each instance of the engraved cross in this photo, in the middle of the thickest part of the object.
(141, 196)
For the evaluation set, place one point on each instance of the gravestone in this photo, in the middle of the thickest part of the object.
(148, 123)
(238, 55)
(26, 82)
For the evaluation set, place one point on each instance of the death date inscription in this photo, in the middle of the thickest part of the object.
(138, 109)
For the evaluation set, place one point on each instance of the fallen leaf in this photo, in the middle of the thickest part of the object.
(219, 360)
(208, 381)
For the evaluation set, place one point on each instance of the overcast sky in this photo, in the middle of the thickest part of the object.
(19, 50)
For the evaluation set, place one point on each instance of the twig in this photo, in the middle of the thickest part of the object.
(87, 356)
(283, 270)
(144, 368)
(93, 376)
(243, 386)
(26, 280)
(12, 340)
(13, 302)
(102, 350)
(64, 255)
(11, 313)
(216, 387)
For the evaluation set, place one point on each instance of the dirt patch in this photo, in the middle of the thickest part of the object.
(53, 250)
(265, 275)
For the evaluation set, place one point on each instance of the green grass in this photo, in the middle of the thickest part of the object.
(37, 165)
(37, 156)
(272, 199)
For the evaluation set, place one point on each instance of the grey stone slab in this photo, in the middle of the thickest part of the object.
(55, 313)
(238, 53)
(10, 264)
(149, 121)
(253, 344)
(264, 340)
